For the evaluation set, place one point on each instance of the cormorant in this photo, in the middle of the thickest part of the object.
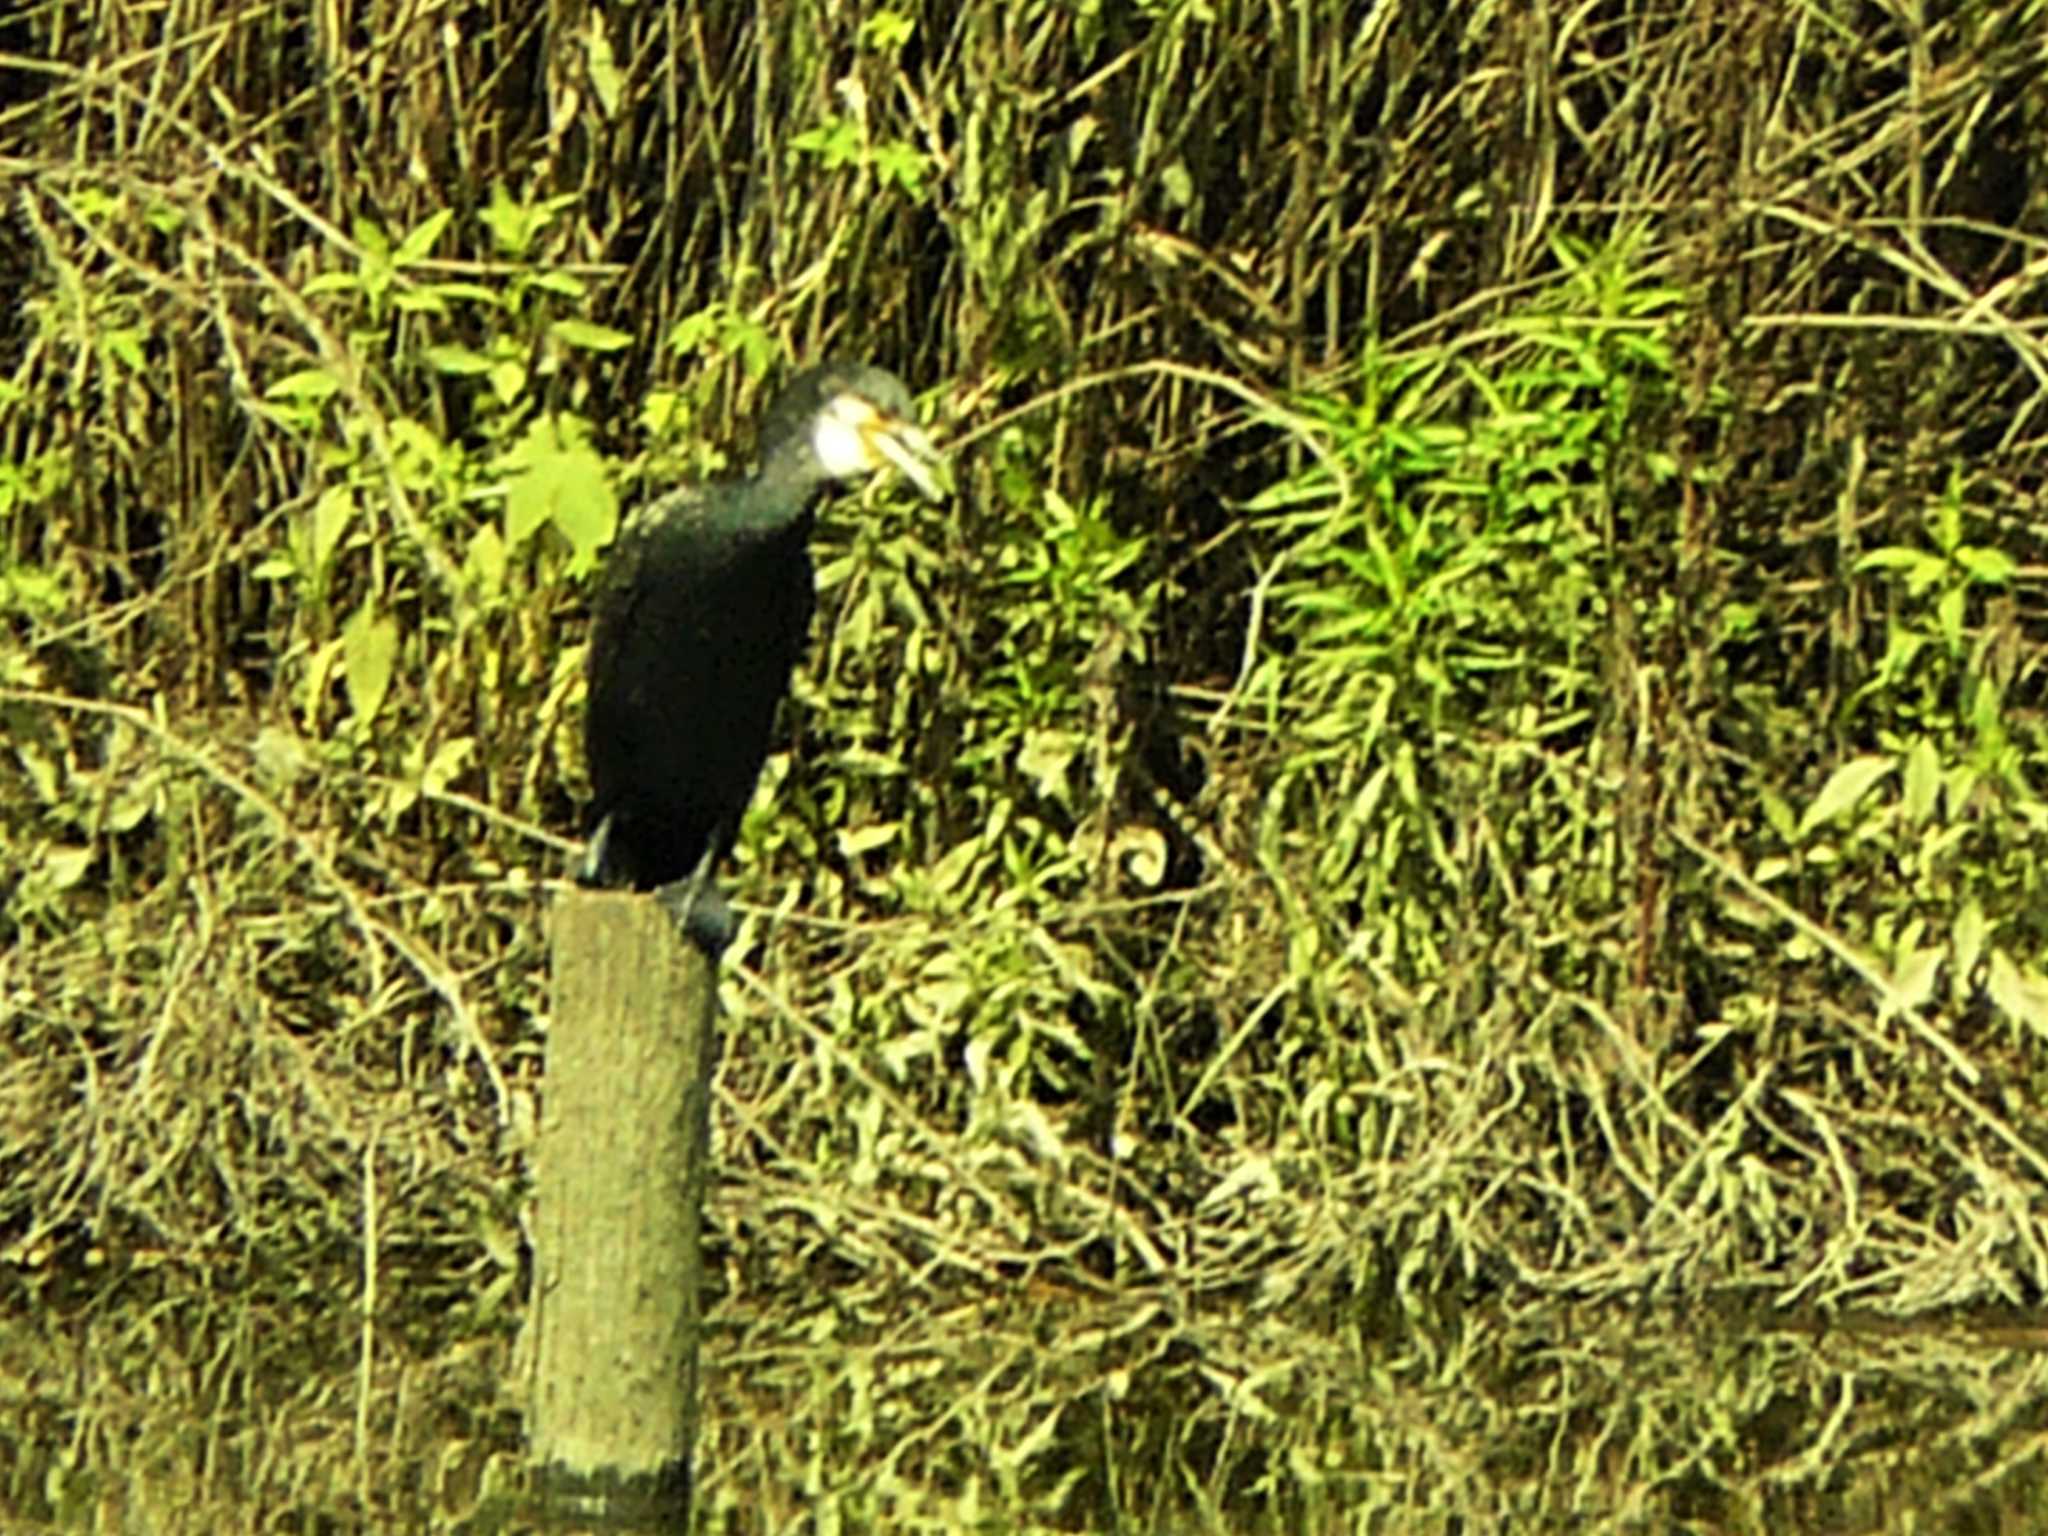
(702, 608)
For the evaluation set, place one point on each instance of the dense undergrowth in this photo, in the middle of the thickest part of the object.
(1473, 738)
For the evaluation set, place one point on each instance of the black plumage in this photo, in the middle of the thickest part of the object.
(702, 609)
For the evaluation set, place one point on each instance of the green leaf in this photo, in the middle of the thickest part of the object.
(590, 337)
(1912, 979)
(900, 163)
(65, 867)
(486, 561)
(450, 760)
(332, 514)
(1948, 616)
(664, 413)
(1923, 782)
(416, 245)
(1779, 814)
(308, 384)
(515, 225)
(567, 284)
(1948, 519)
(693, 330)
(888, 30)
(1896, 558)
(1966, 945)
(1992, 566)
(605, 79)
(857, 841)
(508, 380)
(476, 293)
(2019, 993)
(512, 225)
(1046, 758)
(836, 141)
(456, 360)
(562, 481)
(369, 648)
(751, 339)
(124, 345)
(1845, 787)
(1177, 183)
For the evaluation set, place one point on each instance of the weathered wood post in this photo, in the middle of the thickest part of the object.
(620, 1175)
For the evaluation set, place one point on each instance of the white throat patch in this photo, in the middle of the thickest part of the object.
(838, 440)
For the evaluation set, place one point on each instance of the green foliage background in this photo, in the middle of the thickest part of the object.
(1473, 736)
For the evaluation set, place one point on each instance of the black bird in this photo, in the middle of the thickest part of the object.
(702, 608)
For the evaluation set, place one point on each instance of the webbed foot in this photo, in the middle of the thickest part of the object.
(699, 908)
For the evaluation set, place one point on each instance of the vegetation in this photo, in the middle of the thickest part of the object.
(1462, 778)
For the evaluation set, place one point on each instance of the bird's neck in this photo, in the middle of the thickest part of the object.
(780, 496)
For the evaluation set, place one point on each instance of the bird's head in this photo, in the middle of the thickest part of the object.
(855, 420)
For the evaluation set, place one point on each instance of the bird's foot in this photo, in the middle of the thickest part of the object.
(699, 908)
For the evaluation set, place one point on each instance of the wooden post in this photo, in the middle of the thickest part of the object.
(620, 1186)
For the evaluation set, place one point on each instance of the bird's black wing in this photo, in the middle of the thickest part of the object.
(697, 624)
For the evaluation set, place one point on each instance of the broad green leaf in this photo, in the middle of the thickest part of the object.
(1177, 183)
(855, 841)
(560, 481)
(124, 345)
(65, 867)
(836, 141)
(306, 384)
(951, 871)
(1845, 788)
(332, 514)
(605, 79)
(2019, 993)
(1966, 945)
(475, 293)
(886, 29)
(1046, 758)
(1912, 979)
(1948, 519)
(420, 301)
(1994, 566)
(512, 224)
(1897, 558)
(1960, 783)
(1779, 814)
(457, 360)
(485, 564)
(693, 330)
(757, 348)
(448, 763)
(901, 163)
(664, 412)
(369, 646)
(589, 336)
(1922, 782)
(1948, 616)
(508, 380)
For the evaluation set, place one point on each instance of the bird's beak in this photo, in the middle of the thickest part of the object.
(906, 447)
